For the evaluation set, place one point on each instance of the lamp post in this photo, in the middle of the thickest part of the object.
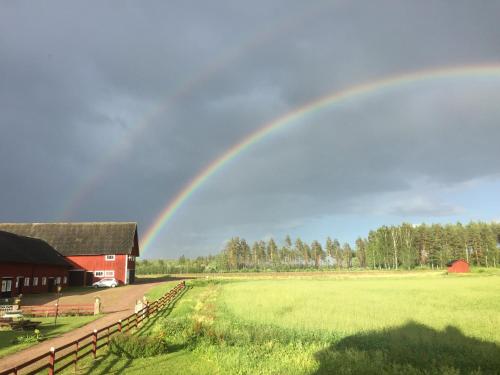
(57, 303)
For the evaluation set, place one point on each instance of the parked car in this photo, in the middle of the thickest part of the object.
(105, 283)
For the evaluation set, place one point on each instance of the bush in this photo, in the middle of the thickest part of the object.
(28, 339)
(132, 346)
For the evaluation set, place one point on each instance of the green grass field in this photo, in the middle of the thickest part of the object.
(47, 330)
(420, 323)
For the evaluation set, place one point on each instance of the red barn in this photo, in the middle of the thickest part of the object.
(95, 250)
(29, 265)
(458, 266)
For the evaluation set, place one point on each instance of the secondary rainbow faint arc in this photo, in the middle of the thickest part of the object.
(333, 98)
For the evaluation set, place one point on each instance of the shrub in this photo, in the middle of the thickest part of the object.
(28, 339)
(131, 346)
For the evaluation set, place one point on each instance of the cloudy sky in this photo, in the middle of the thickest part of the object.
(109, 108)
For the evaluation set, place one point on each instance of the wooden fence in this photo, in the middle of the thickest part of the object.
(59, 359)
(50, 310)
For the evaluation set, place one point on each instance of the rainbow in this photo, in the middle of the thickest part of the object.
(353, 92)
(182, 91)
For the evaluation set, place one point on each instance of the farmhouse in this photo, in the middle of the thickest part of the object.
(29, 265)
(458, 266)
(95, 250)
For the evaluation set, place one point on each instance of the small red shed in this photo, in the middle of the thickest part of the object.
(458, 266)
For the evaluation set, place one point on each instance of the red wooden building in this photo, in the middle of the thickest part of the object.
(94, 250)
(458, 266)
(29, 265)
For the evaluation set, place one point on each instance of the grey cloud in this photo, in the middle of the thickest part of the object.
(78, 78)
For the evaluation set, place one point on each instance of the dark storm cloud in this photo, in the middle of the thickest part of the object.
(77, 79)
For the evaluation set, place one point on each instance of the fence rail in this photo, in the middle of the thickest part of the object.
(62, 357)
(50, 310)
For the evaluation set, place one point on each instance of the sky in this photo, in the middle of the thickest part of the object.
(109, 108)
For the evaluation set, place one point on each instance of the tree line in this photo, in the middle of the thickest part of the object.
(404, 246)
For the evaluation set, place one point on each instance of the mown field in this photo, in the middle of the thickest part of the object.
(418, 323)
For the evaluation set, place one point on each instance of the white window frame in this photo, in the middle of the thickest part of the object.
(109, 273)
(26, 281)
(58, 280)
(44, 280)
(99, 273)
(110, 258)
(65, 279)
(6, 285)
(35, 281)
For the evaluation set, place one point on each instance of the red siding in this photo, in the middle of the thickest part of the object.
(94, 263)
(15, 270)
(459, 266)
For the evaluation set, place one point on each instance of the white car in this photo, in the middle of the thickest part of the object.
(105, 283)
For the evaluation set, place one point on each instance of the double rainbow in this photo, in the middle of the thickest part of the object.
(353, 92)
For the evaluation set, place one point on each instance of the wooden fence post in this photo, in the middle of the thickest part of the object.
(94, 343)
(52, 360)
(120, 325)
(76, 356)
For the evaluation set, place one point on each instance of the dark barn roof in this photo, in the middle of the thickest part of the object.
(20, 249)
(82, 238)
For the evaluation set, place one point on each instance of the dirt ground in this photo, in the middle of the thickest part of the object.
(117, 304)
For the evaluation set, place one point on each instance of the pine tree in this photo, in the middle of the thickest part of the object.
(272, 251)
(317, 253)
(361, 252)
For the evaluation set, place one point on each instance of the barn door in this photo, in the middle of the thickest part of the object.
(20, 284)
(50, 284)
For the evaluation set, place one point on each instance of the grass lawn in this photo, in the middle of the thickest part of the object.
(47, 329)
(397, 324)
(158, 291)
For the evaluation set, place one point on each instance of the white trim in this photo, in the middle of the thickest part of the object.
(126, 271)
(112, 257)
(109, 273)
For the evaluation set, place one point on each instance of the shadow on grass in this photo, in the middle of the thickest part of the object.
(109, 361)
(410, 349)
(150, 322)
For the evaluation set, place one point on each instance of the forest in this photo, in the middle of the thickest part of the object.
(404, 246)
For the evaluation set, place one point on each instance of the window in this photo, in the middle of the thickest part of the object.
(65, 280)
(35, 281)
(109, 273)
(98, 273)
(58, 280)
(131, 258)
(6, 285)
(110, 257)
(27, 281)
(44, 280)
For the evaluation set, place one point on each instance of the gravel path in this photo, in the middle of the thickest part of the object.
(117, 303)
